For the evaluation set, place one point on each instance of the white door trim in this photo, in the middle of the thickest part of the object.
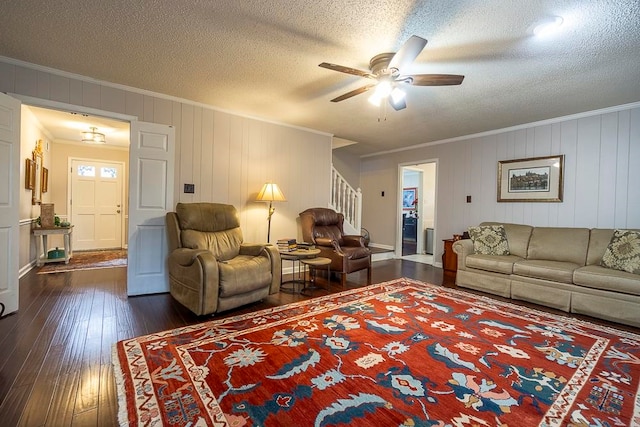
(56, 105)
(398, 249)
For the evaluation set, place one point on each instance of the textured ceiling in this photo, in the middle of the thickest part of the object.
(260, 58)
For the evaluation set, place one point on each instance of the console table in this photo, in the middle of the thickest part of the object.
(41, 235)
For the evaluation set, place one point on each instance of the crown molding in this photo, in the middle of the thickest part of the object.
(146, 92)
(554, 120)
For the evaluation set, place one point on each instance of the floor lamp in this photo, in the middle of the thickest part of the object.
(270, 193)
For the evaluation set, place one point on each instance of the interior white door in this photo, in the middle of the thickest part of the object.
(9, 201)
(151, 169)
(96, 204)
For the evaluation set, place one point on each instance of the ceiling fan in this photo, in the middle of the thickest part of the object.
(386, 71)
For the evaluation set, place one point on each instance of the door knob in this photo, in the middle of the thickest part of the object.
(118, 211)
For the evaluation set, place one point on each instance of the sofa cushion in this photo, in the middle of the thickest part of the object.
(556, 271)
(496, 263)
(623, 252)
(606, 279)
(518, 236)
(559, 244)
(598, 241)
(243, 274)
(489, 240)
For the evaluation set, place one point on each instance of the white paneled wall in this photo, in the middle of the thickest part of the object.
(601, 176)
(228, 157)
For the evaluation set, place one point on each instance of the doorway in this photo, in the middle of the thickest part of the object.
(88, 202)
(150, 165)
(417, 211)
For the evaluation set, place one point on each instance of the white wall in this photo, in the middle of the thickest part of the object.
(227, 156)
(602, 172)
(30, 133)
(348, 165)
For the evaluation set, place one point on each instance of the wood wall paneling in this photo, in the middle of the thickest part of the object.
(227, 156)
(633, 168)
(602, 165)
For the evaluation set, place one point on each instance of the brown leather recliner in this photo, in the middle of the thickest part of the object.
(324, 228)
(211, 269)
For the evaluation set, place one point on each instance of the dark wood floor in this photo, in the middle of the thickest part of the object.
(55, 352)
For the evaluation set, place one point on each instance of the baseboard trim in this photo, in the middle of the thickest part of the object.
(26, 268)
(381, 256)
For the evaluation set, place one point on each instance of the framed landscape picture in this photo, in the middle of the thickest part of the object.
(409, 198)
(537, 179)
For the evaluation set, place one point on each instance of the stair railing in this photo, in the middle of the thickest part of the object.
(347, 200)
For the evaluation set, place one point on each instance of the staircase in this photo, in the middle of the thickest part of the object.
(347, 200)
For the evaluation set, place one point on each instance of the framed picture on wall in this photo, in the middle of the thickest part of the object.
(45, 180)
(29, 174)
(537, 179)
(409, 198)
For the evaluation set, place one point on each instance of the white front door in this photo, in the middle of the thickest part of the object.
(9, 201)
(151, 169)
(96, 204)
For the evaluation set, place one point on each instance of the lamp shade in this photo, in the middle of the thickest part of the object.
(270, 192)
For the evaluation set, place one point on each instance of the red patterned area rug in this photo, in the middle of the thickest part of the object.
(89, 260)
(401, 353)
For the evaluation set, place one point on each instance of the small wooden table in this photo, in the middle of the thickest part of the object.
(449, 257)
(295, 257)
(41, 234)
(314, 264)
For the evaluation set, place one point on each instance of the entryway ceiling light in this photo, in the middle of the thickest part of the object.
(93, 137)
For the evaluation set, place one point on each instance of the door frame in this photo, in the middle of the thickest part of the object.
(398, 245)
(56, 105)
(124, 217)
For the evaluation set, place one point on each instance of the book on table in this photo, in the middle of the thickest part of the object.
(287, 245)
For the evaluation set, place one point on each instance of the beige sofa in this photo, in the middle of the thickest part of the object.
(554, 267)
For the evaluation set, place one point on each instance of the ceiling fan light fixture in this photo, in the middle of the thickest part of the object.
(383, 89)
(548, 26)
(397, 95)
(93, 136)
(375, 99)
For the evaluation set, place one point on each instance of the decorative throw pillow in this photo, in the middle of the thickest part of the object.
(489, 240)
(623, 252)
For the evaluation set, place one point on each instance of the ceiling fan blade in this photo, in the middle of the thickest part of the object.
(407, 53)
(398, 105)
(358, 91)
(432, 79)
(347, 70)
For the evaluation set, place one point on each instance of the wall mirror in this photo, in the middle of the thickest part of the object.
(36, 194)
